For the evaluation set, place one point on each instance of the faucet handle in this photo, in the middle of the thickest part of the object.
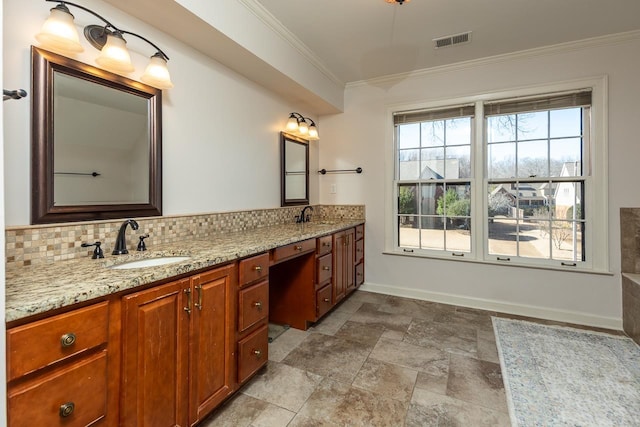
(141, 245)
(97, 252)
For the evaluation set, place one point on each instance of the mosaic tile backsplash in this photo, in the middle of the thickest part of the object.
(38, 244)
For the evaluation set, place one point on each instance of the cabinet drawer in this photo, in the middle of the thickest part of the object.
(74, 396)
(360, 274)
(293, 249)
(252, 353)
(253, 305)
(254, 268)
(359, 231)
(323, 268)
(324, 245)
(359, 251)
(323, 301)
(41, 343)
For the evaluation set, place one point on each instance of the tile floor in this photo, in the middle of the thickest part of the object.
(378, 360)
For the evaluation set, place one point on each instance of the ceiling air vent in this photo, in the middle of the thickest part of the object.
(452, 40)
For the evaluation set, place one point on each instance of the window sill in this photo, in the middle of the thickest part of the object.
(502, 264)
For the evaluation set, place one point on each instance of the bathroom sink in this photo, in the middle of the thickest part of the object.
(149, 262)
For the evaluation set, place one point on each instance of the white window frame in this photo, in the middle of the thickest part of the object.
(596, 215)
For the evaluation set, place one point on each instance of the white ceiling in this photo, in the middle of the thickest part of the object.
(363, 39)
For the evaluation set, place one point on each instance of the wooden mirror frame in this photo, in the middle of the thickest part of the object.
(43, 210)
(284, 138)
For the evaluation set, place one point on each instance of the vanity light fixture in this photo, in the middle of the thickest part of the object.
(59, 33)
(398, 1)
(297, 124)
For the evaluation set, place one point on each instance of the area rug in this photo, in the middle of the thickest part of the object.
(557, 376)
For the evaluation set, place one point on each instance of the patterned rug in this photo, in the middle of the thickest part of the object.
(556, 376)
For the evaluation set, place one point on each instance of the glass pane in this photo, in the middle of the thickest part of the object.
(459, 238)
(567, 240)
(533, 125)
(531, 200)
(458, 164)
(567, 122)
(501, 160)
(456, 201)
(501, 202)
(433, 134)
(408, 231)
(568, 201)
(407, 199)
(501, 128)
(566, 155)
(409, 136)
(502, 237)
(533, 238)
(459, 131)
(432, 166)
(432, 233)
(409, 164)
(533, 159)
(431, 195)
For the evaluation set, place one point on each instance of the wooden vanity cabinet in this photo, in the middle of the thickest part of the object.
(343, 264)
(359, 255)
(178, 349)
(57, 370)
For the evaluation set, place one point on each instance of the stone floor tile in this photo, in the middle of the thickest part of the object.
(433, 383)
(450, 338)
(329, 356)
(369, 297)
(425, 359)
(331, 324)
(429, 409)
(350, 305)
(286, 342)
(386, 379)
(409, 307)
(365, 334)
(476, 381)
(393, 335)
(239, 411)
(336, 403)
(370, 314)
(487, 350)
(282, 385)
(273, 416)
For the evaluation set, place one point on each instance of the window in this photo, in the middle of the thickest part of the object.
(504, 180)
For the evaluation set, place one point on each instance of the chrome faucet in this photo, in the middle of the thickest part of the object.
(304, 217)
(121, 242)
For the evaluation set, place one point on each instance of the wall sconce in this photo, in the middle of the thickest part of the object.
(297, 124)
(59, 33)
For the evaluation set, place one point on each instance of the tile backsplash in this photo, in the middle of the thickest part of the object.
(38, 244)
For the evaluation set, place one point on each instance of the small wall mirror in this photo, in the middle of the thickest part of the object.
(96, 143)
(295, 170)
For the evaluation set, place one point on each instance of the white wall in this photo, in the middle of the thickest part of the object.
(359, 137)
(221, 148)
(3, 345)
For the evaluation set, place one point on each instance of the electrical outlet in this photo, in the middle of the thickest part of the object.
(332, 189)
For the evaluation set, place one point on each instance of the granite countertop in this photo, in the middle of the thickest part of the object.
(40, 288)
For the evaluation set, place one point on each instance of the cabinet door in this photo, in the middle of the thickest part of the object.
(339, 248)
(349, 261)
(155, 365)
(212, 340)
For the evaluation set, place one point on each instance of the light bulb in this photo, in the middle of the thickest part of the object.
(156, 74)
(114, 55)
(292, 123)
(303, 127)
(59, 32)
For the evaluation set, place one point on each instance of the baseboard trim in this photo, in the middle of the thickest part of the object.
(500, 306)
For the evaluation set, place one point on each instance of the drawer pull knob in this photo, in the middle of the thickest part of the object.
(257, 353)
(67, 340)
(326, 300)
(67, 409)
(258, 305)
(298, 248)
(359, 274)
(258, 268)
(326, 268)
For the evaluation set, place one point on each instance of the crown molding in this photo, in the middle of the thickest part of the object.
(607, 40)
(270, 21)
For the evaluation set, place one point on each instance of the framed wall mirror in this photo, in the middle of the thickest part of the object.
(96, 143)
(295, 170)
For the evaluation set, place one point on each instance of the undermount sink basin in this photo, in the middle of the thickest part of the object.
(149, 262)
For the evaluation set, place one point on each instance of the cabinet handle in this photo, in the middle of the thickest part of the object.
(258, 268)
(326, 300)
(67, 409)
(258, 305)
(199, 303)
(298, 248)
(326, 268)
(188, 307)
(68, 339)
(359, 274)
(258, 353)
(326, 244)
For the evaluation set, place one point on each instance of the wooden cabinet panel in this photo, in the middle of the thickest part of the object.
(293, 250)
(360, 274)
(343, 268)
(349, 266)
(323, 301)
(360, 232)
(253, 353)
(74, 396)
(323, 267)
(212, 340)
(359, 251)
(253, 269)
(324, 245)
(253, 305)
(39, 344)
(155, 364)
